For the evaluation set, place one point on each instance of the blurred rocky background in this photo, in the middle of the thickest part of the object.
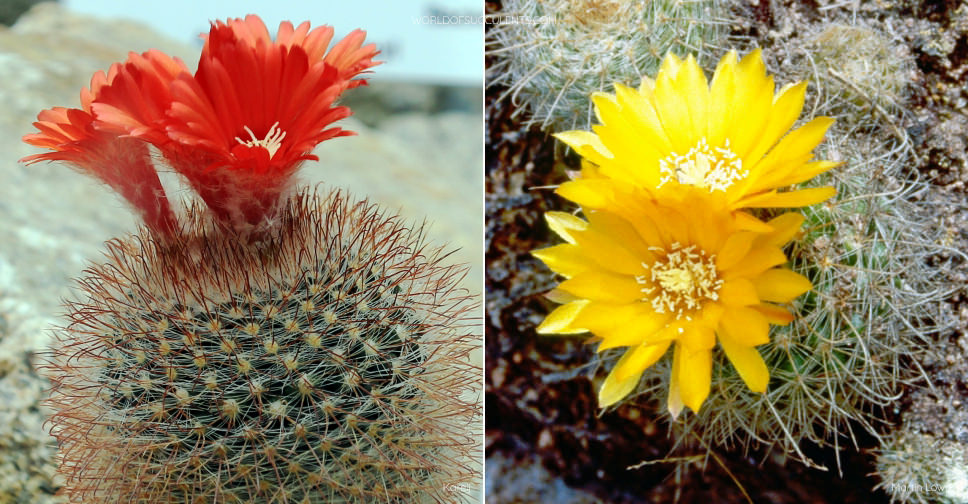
(418, 151)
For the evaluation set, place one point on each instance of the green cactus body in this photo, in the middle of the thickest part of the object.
(328, 363)
(552, 54)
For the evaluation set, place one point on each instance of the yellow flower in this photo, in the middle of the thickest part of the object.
(728, 138)
(648, 275)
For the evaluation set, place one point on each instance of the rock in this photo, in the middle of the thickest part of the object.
(521, 482)
(10, 10)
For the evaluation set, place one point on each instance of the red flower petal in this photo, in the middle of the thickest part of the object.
(136, 99)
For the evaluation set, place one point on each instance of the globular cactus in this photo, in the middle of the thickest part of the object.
(329, 364)
(551, 54)
(920, 468)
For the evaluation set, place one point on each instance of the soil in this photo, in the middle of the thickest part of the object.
(540, 404)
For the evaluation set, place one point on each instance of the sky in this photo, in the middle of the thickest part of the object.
(432, 42)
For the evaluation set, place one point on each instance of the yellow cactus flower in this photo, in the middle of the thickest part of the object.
(729, 137)
(649, 274)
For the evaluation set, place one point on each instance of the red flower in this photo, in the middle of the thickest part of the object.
(237, 129)
(122, 163)
(254, 110)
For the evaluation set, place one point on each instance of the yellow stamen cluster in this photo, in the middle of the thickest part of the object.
(681, 281)
(712, 169)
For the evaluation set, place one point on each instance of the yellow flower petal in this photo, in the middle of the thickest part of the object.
(745, 326)
(586, 144)
(603, 286)
(565, 225)
(711, 313)
(706, 227)
(589, 193)
(631, 154)
(640, 329)
(785, 227)
(786, 109)
(803, 139)
(639, 358)
(797, 145)
(753, 103)
(670, 64)
(747, 222)
(695, 376)
(697, 337)
(614, 388)
(807, 172)
(559, 321)
(738, 292)
(559, 296)
(748, 363)
(589, 170)
(621, 231)
(641, 115)
(601, 318)
(752, 66)
(774, 314)
(674, 403)
(781, 285)
(565, 259)
(673, 111)
(694, 89)
(722, 92)
(609, 253)
(735, 248)
(758, 259)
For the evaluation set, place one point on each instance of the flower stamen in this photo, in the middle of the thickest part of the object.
(681, 281)
(703, 167)
(271, 142)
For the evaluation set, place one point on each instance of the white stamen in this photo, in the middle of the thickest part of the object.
(681, 282)
(271, 142)
(712, 169)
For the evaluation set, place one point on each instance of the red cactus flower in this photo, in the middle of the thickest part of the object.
(238, 128)
(120, 162)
